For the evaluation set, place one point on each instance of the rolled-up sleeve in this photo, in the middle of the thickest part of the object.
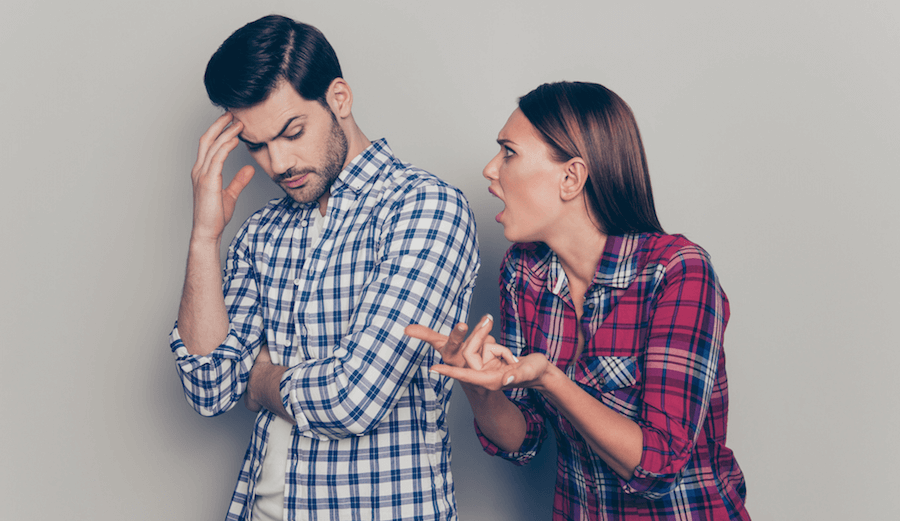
(214, 383)
(686, 330)
(511, 335)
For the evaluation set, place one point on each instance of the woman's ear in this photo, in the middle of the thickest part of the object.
(573, 180)
(339, 98)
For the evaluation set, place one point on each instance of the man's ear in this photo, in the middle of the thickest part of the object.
(339, 98)
(574, 177)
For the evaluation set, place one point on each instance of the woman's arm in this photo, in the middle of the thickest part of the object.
(615, 438)
(612, 436)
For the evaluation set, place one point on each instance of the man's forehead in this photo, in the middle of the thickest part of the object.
(269, 118)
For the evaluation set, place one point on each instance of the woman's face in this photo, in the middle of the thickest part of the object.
(527, 180)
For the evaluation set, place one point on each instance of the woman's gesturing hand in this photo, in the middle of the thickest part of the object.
(479, 360)
(457, 350)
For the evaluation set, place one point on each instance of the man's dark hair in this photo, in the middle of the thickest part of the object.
(250, 63)
(589, 121)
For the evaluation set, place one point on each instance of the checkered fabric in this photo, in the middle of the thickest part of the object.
(398, 247)
(654, 318)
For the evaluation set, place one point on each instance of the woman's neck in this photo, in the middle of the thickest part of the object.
(579, 247)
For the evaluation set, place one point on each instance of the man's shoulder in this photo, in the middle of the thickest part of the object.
(402, 179)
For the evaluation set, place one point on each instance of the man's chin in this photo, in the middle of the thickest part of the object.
(303, 195)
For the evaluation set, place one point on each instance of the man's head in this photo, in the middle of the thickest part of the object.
(281, 81)
(248, 66)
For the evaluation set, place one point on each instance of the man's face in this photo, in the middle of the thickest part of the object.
(297, 142)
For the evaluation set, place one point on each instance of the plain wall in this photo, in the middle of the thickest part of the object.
(771, 132)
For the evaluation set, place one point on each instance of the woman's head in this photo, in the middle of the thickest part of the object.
(589, 121)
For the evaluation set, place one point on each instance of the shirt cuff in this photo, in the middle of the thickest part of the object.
(296, 413)
(534, 437)
(186, 362)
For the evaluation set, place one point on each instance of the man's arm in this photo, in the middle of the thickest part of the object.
(214, 377)
(202, 316)
(426, 275)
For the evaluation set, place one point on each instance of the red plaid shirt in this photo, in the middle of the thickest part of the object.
(653, 320)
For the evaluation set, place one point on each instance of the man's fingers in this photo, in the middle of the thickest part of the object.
(209, 137)
(434, 338)
(218, 152)
(240, 181)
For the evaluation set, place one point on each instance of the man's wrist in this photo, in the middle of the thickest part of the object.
(203, 243)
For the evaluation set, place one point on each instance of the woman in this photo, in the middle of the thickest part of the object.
(617, 326)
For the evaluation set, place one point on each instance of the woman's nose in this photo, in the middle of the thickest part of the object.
(490, 170)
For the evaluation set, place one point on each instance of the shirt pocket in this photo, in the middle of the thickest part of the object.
(606, 373)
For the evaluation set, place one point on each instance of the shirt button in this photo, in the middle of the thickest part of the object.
(590, 305)
(304, 223)
(296, 282)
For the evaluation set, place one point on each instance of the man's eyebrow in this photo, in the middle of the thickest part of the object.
(283, 129)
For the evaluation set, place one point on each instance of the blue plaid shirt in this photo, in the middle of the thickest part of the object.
(398, 247)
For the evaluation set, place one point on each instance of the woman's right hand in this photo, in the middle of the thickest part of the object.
(458, 350)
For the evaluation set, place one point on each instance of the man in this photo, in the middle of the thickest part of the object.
(318, 288)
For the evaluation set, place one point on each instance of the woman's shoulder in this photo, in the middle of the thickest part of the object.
(660, 248)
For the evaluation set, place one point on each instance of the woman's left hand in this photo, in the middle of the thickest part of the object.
(503, 371)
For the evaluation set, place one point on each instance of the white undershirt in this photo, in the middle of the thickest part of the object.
(269, 502)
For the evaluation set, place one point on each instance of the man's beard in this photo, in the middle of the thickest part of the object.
(322, 177)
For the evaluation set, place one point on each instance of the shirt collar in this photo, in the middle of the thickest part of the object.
(364, 167)
(356, 174)
(618, 265)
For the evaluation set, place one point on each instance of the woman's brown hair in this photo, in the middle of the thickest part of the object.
(589, 121)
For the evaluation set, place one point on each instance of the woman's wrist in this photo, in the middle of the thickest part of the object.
(551, 381)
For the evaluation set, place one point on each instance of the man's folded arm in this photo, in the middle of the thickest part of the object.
(428, 263)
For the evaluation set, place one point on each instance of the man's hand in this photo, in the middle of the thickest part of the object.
(213, 207)
(263, 389)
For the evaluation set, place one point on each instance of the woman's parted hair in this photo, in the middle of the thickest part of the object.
(249, 64)
(589, 121)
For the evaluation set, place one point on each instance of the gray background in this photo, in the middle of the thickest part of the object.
(771, 132)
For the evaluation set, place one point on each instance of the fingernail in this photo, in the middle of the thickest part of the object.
(487, 320)
(510, 380)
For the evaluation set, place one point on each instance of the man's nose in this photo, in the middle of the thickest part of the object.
(280, 158)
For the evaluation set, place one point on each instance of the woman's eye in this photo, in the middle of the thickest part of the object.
(507, 152)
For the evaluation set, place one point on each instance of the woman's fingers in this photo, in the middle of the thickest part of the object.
(486, 379)
(427, 334)
(472, 350)
(492, 350)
